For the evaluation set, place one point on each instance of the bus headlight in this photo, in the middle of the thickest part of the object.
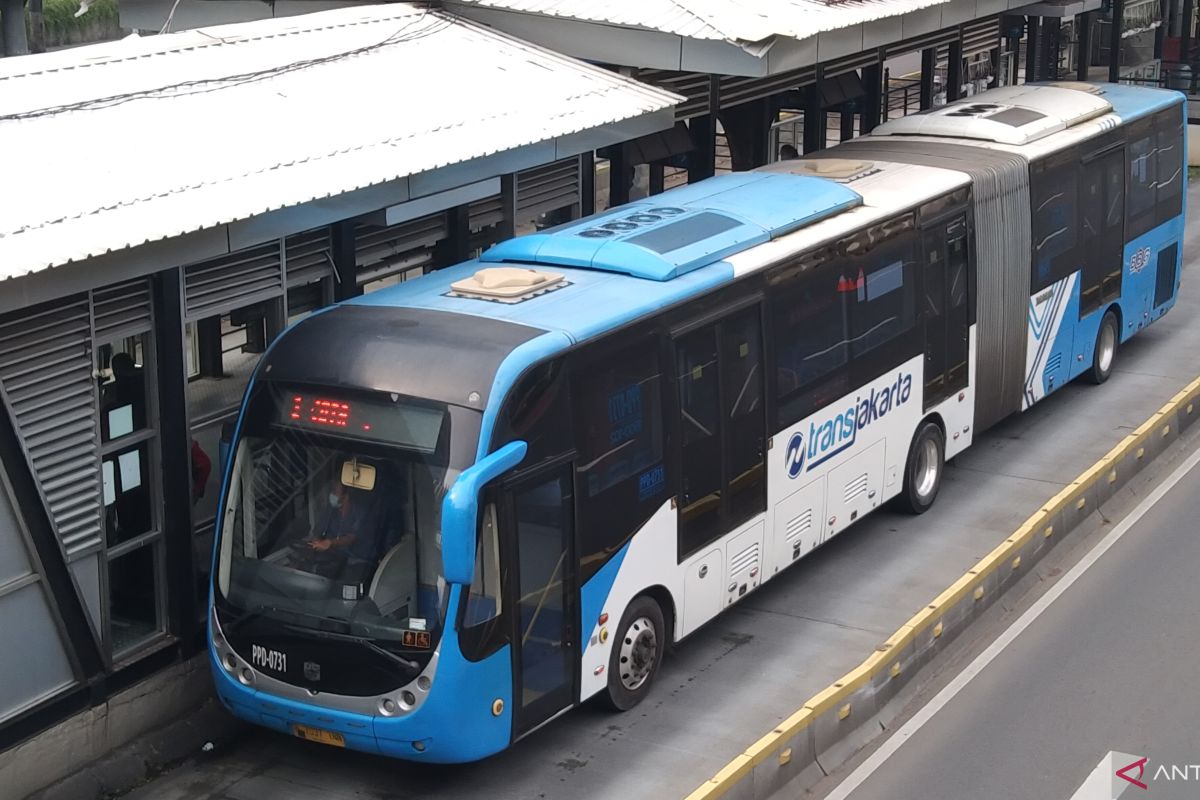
(246, 676)
(230, 662)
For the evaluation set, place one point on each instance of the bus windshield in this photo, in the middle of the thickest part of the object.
(332, 517)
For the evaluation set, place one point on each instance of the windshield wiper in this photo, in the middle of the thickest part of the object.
(367, 642)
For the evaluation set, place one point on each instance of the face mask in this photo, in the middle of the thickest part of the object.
(334, 500)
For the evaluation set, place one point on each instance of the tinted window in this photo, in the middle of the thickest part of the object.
(1054, 197)
(700, 426)
(1142, 157)
(620, 473)
(537, 412)
(811, 332)
(1169, 170)
(876, 274)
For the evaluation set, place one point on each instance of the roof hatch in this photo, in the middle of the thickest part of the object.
(507, 284)
(682, 230)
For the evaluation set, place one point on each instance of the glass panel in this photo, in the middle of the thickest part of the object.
(700, 424)
(742, 375)
(123, 385)
(483, 596)
(812, 344)
(128, 495)
(133, 598)
(543, 625)
(326, 529)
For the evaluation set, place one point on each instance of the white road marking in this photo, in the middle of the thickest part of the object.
(843, 790)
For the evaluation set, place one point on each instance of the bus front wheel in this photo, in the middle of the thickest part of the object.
(636, 653)
(923, 472)
(1105, 354)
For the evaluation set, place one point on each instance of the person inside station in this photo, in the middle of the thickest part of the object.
(788, 152)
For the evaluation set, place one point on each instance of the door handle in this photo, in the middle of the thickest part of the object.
(703, 570)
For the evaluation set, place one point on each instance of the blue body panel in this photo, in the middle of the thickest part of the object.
(594, 594)
(461, 702)
(1073, 348)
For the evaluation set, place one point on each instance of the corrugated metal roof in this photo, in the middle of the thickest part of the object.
(741, 21)
(146, 139)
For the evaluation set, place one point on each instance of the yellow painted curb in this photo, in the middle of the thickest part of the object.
(882, 663)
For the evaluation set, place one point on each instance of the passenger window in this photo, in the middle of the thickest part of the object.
(877, 275)
(620, 472)
(1169, 169)
(811, 334)
(1143, 181)
(1054, 196)
(537, 412)
(483, 596)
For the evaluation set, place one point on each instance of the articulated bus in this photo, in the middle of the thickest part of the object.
(458, 507)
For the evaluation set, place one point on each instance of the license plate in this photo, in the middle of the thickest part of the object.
(318, 735)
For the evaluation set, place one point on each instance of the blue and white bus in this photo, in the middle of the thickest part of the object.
(458, 507)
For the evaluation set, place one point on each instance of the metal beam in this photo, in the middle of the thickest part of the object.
(872, 78)
(345, 261)
(1033, 44)
(814, 119)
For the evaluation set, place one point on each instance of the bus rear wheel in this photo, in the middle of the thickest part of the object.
(923, 471)
(636, 653)
(1105, 354)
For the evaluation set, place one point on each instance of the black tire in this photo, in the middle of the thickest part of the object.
(1104, 355)
(927, 452)
(631, 668)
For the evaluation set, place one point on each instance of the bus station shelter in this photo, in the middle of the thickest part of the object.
(170, 204)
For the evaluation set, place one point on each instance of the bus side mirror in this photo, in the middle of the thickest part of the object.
(460, 510)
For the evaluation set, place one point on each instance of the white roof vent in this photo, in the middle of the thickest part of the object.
(507, 284)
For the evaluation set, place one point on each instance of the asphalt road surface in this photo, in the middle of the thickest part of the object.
(1105, 661)
(754, 665)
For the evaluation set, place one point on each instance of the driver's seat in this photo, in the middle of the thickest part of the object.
(395, 583)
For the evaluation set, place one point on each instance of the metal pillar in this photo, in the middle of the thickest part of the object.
(345, 263)
(1033, 44)
(1185, 34)
(846, 123)
(928, 67)
(1160, 34)
(620, 176)
(1114, 42)
(1083, 51)
(456, 247)
(183, 612)
(814, 119)
(657, 177)
(702, 161)
(954, 73)
(208, 339)
(1048, 55)
(587, 184)
(872, 78)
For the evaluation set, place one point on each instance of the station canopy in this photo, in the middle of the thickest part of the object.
(733, 37)
(116, 145)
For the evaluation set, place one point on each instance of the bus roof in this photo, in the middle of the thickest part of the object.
(609, 284)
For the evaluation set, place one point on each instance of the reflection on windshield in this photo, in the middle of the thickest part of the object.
(337, 535)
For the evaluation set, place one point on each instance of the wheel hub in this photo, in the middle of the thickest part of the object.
(639, 651)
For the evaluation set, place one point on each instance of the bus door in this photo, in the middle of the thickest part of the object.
(722, 436)
(947, 308)
(1102, 219)
(539, 515)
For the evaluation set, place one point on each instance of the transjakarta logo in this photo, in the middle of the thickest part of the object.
(827, 439)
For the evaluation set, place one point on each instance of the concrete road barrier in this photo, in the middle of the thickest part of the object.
(837, 721)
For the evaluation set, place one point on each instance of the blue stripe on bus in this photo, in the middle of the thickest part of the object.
(594, 594)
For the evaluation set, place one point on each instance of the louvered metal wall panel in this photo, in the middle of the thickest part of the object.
(486, 212)
(46, 369)
(547, 188)
(980, 35)
(308, 257)
(238, 279)
(692, 85)
(121, 310)
(735, 90)
(852, 63)
(934, 39)
(374, 244)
